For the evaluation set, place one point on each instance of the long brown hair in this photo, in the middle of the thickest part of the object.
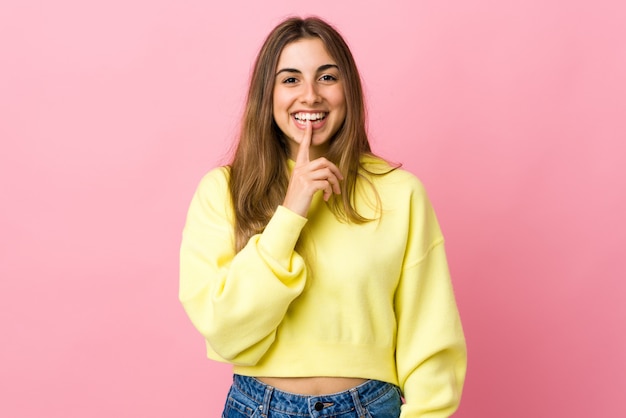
(259, 174)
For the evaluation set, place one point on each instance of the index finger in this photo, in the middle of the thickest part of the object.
(305, 143)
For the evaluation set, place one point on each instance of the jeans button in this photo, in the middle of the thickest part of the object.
(318, 406)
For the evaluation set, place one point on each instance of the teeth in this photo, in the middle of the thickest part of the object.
(310, 116)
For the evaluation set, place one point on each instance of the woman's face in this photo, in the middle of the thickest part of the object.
(308, 86)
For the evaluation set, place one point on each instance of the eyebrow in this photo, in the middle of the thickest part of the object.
(295, 70)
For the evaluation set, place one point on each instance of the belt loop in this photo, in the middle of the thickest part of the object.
(267, 397)
(357, 403)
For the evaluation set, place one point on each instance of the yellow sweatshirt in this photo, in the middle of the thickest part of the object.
(319, 297)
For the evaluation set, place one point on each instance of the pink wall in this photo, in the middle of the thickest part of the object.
(512, 113)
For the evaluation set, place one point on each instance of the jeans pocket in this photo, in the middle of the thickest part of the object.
(239, 406)
(387, 406)
(235, 409)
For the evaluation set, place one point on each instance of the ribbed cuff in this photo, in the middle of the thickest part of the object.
(281, 234)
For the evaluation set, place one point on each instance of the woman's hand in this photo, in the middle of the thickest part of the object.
(308, 177)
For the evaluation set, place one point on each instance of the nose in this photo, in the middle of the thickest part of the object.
(310, 93)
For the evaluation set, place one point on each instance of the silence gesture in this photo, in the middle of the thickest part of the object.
(309, 177)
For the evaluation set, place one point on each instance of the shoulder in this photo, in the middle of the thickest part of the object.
(213, 191)
(216, 180)
(385, 174)
(399, 190)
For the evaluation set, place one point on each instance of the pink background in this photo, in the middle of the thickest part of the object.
(513, 113)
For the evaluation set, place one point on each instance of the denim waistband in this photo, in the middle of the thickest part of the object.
(332, 404)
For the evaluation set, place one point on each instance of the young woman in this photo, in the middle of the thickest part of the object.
(314, 267)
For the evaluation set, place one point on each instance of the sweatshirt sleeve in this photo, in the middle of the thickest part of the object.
(237, 300)
(431, 354)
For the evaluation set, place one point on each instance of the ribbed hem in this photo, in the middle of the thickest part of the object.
(308, 359)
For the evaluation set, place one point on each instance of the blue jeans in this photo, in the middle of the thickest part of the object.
(249, 397)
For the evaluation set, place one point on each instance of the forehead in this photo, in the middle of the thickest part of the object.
(307, 53)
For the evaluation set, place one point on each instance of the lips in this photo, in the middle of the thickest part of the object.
(303, 116)
(318, 119)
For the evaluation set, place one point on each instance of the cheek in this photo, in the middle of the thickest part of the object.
(338, 100)
(280, 105)
(340, 107)
(275, 103)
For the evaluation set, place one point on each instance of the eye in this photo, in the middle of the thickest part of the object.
(328, 77)
(290, 80)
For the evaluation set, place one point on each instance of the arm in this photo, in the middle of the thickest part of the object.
(237, 301)
(431, 353)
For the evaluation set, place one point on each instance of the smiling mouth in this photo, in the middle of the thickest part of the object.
(313, 117)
